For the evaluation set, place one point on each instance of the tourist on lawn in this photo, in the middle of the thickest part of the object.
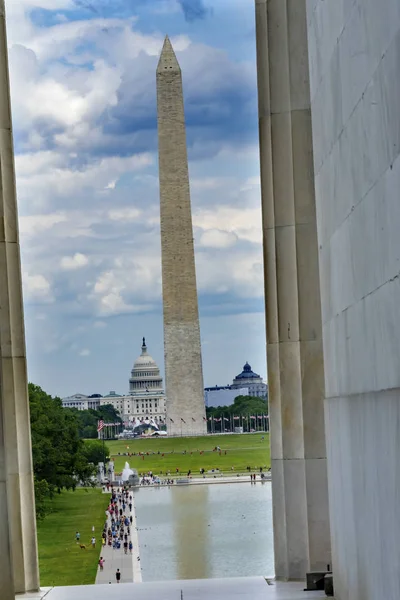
(77, 536)
(101, 563)
(118, 576)
(93, 542)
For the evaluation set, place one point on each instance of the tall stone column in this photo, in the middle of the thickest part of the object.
(18, 545)
(293, 314)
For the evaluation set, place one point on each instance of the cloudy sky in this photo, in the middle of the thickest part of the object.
(84, 111)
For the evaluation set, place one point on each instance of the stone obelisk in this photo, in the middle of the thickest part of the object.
(183, 365)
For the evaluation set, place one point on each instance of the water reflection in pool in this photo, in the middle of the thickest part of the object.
(205, 531)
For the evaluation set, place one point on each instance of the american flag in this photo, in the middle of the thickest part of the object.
(100, 425)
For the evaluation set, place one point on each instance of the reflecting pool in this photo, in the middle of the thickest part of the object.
(205, 531)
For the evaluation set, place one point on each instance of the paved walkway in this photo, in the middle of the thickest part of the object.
(246, 588)
(128, 564)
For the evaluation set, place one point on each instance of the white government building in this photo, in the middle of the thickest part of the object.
(247, 383)
(146, 396)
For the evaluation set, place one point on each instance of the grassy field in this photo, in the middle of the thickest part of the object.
(61, 560)
(241, 451)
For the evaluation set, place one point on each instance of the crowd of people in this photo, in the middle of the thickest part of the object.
(117, 528)
(150, 479)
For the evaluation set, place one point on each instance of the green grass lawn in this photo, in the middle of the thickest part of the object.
(241, 451)
(61, 561)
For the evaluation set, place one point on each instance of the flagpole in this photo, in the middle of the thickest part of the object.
(104, 452)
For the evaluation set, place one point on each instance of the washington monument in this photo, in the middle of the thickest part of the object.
(183, 366)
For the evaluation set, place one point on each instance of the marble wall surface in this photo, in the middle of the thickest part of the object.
(354, 57)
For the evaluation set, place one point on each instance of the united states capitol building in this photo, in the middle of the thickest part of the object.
(146, 397)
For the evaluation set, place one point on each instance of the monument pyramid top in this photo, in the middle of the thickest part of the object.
(168, 61)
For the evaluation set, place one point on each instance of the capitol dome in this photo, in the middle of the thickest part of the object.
(144, 360)
(145, 375)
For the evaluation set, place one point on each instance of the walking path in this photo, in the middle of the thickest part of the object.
(209, 480)
(114, 559)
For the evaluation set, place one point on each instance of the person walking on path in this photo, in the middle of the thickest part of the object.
(118, 576)
(130, 547)
(101, 563)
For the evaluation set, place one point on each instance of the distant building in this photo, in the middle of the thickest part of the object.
(146, 396)
(247, 383)
(223, 396)
(81, 402)
(247, 378)
(116, 400)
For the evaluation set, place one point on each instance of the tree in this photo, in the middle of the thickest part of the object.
(42, 494)
(88, 419)
(108, 413)
(242, 406)
(59, 459)
(94, 452)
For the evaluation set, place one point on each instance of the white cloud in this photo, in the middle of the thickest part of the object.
(215, 238)
(84, 352)
(36, 224)
(124, 214)
(130, 285)
(111, 185)
(244, 222)
(239, 273)
(77, 261)
(42, 177)
(36, 288)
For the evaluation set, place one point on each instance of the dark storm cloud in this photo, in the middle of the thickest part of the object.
(194, 9)
(220, 105)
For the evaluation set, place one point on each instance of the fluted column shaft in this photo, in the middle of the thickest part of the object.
(18, 545)
(294, 329)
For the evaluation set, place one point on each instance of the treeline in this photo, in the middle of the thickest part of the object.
(242, 406)
(61, 459)
(88, 419)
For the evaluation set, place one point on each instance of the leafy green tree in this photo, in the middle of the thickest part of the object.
(43, 494)
(58, 452)
(88, 419)
(108, 413)
(242, 406)
(94, 452)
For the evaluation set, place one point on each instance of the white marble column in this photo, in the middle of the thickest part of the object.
(18, 545)
(294, 329)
